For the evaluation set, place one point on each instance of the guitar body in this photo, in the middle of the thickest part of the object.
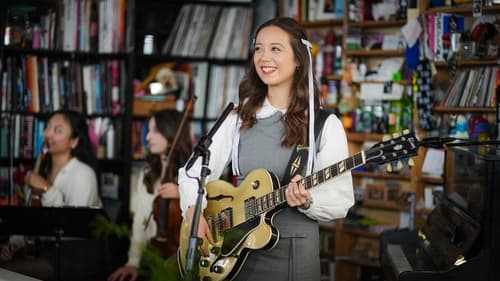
(227, 206)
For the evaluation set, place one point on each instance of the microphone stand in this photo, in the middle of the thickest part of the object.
(202, 150)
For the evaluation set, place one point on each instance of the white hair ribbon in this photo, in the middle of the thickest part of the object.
(236, 140)
(312, 143)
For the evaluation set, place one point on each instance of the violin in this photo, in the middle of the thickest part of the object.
(167, 212)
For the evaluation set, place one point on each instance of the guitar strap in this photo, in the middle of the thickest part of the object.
(298, 159)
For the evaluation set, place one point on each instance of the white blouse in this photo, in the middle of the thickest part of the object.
(74, 185)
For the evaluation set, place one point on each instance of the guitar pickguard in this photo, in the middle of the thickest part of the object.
(235, 236)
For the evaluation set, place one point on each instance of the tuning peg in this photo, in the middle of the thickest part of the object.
(386, 137)
(399, 165)
(406, 131)
(396, 135)
(411, 163)
(388, 167)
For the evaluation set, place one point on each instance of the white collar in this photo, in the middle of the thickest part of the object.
(267, 110)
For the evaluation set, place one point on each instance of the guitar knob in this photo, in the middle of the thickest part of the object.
(218, 269)
(255, 184)
(215, 250)
(203, 263)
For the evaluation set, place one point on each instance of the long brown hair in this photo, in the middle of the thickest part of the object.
(167, 122)
(252, 91)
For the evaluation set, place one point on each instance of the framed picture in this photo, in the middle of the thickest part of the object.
(393, 192)
(329, 9)
(375, 192)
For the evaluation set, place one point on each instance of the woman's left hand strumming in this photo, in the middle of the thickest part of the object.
(296, 194)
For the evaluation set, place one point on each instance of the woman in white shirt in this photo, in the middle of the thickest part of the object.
(68, 172)
(157, 180)
(67, 177)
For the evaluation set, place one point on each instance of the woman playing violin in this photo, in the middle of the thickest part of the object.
(67, 176)
(157, 181)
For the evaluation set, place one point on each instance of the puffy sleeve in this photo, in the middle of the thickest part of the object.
(332, 198)
(141, 233)
(220, 155)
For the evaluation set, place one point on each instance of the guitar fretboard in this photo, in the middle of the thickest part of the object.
(277, 197)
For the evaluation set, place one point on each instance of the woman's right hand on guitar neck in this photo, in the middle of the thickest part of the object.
(204, 232)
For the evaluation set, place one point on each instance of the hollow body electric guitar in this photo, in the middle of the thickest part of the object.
(241, 218)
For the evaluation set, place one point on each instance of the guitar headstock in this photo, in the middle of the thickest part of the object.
(398, 147)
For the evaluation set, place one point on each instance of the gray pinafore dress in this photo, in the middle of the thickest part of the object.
(296, 256)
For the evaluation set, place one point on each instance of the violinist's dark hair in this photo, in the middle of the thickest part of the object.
(167, 123)
(79, 130)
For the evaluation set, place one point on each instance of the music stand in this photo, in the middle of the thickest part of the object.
(48, 221)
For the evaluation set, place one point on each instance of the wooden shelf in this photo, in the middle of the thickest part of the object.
(432, 180)
(375, 53)
(448, 109)
(361, 137)
(380, 175)
(327, 254)
(322, 23)
(16, 51)
(470, 63)
(463, 9)
(382, 82)
(359, 232)
(377, 24)
(423, 211)
(386, 205)
(358, 261)
(324, 227)
(337, 77)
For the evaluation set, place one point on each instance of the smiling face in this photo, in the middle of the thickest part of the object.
(274, 58)
(57, 135)
(157, 143)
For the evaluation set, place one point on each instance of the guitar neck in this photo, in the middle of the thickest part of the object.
(277, 197)
(334, 170)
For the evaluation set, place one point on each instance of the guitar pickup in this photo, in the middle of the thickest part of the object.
(225, 219)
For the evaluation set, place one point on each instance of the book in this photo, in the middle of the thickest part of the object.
(5, 139)
(450, 23)
(200, 76)
(27, 137)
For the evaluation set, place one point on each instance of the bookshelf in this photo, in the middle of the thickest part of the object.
(60, 54)
(478, 101)
(356, 27)
(117, 57)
